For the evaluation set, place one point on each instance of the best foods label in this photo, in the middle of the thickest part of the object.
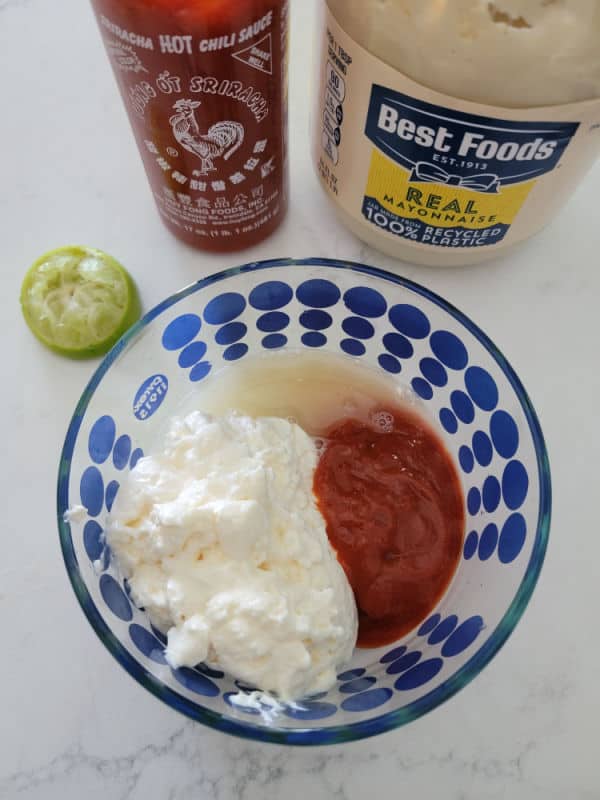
(436, 171)
(448, 178)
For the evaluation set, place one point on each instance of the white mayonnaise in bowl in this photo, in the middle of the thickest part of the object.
(449, 131)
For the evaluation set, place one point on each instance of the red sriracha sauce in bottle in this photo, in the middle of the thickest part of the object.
(205, 86)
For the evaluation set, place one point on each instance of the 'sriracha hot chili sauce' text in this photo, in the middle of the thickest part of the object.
(391, 497)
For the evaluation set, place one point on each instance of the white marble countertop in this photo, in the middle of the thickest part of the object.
(73, 724)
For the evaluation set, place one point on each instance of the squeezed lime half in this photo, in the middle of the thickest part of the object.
(79, 301)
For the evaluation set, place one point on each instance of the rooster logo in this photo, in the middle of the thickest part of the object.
(221, 140)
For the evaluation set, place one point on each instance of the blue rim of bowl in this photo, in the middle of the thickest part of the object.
(335, 734)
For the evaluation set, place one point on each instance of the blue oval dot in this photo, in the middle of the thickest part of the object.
(358, 328)
(463, 407)
(471, 543)
(410, 321)
(135, 457)
(449, 349)
(271, 295)
(147, 644)
(231, 697)
(273, 322)
(404, 663)
(434, 371)
(466, 459)
(358, 685)
(463, 637)
(235, 352)
(367, 700)
(102, 439)
(122, 452)
(115, 598)
(231, 333)
(488, 542)
(316, 320)
(393, 655)
(314, 339)
(419, 675)
(429, 625)
(491, 493)
(473, 501)
(448, 420)
(111, 492)
(398, 345)
(200, 371)
(443, 630)
(390, 364)
(93, 540)
(91, 491)
(482, 388)
(274, 341)
(482, 447)
(310, 711)
(224, 308)
(512, 538)
(194, 682)
(422, 388)
(318, 293)
(351, 674)
(515, 485)
(353, 347)
(192, 354)
(181, 331)
(505, 434)
(366, 302)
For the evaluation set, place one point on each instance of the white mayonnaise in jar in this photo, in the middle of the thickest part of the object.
(449, 131)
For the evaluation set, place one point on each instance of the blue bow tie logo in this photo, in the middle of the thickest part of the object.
(431, 173)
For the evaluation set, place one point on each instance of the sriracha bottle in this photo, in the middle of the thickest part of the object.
(205, 86)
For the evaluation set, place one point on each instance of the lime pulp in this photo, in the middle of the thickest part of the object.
(79, 301)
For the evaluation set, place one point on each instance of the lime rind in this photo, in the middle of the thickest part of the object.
(79, 301)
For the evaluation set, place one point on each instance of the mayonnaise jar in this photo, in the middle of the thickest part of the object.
(449, 131)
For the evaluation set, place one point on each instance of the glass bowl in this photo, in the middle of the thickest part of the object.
(389, 324)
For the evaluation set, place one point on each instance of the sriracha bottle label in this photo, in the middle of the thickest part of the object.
(205, 88)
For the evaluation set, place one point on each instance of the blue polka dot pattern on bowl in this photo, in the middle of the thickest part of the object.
(422, 388)
(181, 331)
(224, 308)
(466, 459)
(420, 343)
(449, 349)
(365, 302)
(505, 434)
(410, 321)
(462, 405)
(482, 448)
(512, 538)
(398, 345)
(271, 295)
(515, 484)
(353, 347)
(482, 388)
(389, 364)
(318, 293)
(433, 371)
(316, 320)
(274, 341)
(273, 322)
(448, 420)
(488, 542)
